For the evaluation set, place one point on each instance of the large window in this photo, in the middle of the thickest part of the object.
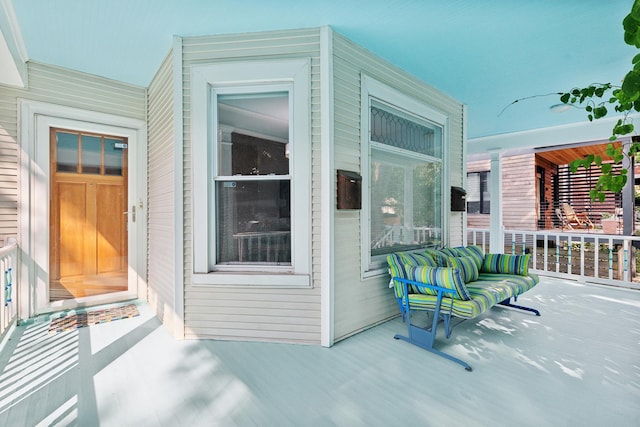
(405, 182)
(252, 189)
(478, 198)
(251, 161)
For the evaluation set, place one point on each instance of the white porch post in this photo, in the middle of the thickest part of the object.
(496, 242)
(628, 191)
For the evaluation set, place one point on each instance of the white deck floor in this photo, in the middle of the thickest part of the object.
(576, 365)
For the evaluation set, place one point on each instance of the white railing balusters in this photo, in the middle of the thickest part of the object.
(8, 280)
(570, 256)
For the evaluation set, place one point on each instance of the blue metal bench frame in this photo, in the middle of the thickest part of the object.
(425, 337)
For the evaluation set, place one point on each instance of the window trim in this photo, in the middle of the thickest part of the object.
(485, 173)
(294, 73)
(374, 91)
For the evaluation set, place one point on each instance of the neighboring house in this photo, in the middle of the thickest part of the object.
(220, 184)
(535, 183)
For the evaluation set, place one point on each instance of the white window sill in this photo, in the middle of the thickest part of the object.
(375, 272)
(258, 279)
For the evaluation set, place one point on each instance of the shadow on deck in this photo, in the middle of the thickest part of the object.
(576, 365)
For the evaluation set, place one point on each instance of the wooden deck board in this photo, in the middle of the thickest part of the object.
(561, 368)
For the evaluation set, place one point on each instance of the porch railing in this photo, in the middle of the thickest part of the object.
(8, 280)
(586, 257)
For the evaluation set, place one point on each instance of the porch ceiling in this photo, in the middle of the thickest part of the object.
(567, 155)
(485, 54)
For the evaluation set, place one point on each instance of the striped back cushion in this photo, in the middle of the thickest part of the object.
(439, 257)
(444, 277)
(417, 259)
(506, 264)
(399, 262)
(466, 265)
(397, 268)
(473, 251)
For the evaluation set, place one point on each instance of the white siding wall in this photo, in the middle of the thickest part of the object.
(519, 209)
(161, 192)
(361, 303)
(243, 313)
(57, 86)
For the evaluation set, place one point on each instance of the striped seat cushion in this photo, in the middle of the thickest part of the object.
(519, 283)
(486, 292)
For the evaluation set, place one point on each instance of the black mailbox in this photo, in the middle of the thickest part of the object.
(458, 199)
(349, 190)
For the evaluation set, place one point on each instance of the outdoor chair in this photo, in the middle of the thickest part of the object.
(573, 218)
(564, 224)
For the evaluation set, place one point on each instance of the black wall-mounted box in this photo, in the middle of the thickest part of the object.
(458, 199)
(349, 190)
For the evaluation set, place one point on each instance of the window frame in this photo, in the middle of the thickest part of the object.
(378, 93)
(483, 176)
(238, 77)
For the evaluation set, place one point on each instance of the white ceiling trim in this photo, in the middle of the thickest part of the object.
(582, 132)
(13, 53)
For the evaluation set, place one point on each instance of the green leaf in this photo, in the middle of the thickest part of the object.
(565, 98)
(576, 164)
(599, 112)
(606, 168)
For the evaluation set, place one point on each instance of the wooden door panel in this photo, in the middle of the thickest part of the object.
(110, 227)
(72, 235)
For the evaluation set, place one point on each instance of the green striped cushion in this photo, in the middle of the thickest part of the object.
(399, 262)
(520, 284)
(439, 257)
(444, 277)
(487, 291)
(397, 268)
(466, 265)
(505, 263)
(417, 259)
(473, 251)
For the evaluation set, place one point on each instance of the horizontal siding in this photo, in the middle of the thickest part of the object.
(161, 194)
(519, 192)
(62, 87)
(291, 315)
(360, 303)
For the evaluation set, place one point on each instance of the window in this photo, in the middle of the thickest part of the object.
(478, 197)
(405, 184)
(251, 161)
(252, 188)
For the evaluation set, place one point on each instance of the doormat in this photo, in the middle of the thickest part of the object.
(81, 320)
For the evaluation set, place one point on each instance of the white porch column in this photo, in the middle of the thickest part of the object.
(628, 191)
(496, 242)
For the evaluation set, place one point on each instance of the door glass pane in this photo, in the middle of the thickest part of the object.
(253, 222)
(66, 152)
(91, 154)
(113, 149)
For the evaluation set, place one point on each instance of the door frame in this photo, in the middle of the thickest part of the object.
(36, 118)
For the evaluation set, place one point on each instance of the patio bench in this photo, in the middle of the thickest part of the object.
(459, 282)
